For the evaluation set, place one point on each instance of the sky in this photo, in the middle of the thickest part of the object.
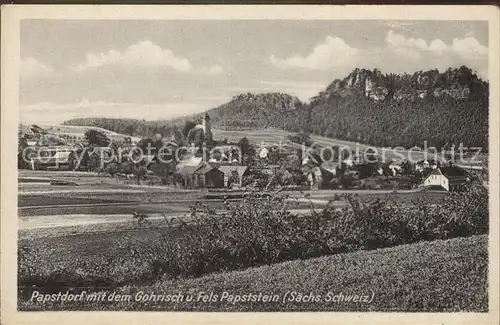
(165, 69)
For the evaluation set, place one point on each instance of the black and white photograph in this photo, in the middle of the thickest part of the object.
(248, 164)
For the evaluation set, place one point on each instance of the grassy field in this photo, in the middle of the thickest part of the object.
(254, 136)
(74, 197)
(92, 245)
(439, 276)
(35, 199)
(276, 136)
(253, 232)
(368, 195)
(270, 136)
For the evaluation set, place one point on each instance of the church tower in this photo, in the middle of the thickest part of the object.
(207, 127)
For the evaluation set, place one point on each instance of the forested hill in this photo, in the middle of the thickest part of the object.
(367, 106)
(245, 111)
(403, 110)
(132, 127)
(251, 111)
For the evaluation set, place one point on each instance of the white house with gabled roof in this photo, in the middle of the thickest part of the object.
(436, 178)
(449, 178)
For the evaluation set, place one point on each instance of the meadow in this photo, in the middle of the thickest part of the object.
(396, 279)
(254, 232)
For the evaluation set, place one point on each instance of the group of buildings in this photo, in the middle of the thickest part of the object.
(69, 135)
(212, 175)
(396, 174)
(195, 170)
(449, 178)
(227, 173)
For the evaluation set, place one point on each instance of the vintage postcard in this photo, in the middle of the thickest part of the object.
(250, 164)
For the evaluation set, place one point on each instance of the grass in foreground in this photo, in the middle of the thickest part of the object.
(256, 231)
(439, 276)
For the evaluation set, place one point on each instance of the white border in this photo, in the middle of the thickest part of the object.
(11, 16)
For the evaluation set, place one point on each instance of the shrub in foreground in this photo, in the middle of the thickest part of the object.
(260, 230)
(398, 278)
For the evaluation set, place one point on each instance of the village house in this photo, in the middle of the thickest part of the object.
(185, 176)
(395, 167)
(195, 173)
(226, 154)
(320, 176)
(448, 178)
(263, 153)
(331, 167)
(379, 182)
(208, 176)
(201, 176)
(422, 165)
(349, 162)
(31, 133)
(189, 160)
(233, 171)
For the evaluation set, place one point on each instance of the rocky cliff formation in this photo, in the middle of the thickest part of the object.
(458, 83)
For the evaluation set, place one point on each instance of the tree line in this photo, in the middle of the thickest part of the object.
(443, 117)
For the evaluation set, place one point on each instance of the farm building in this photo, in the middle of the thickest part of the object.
(75, 134)
(263, 153)
(185, 176)
(200, 176)
(171, 144)
(234, 173)
(208, 176)
(422, 165)
(321, 175)
(448, 178)
(379, 182)
(189, 160)
(395, 167)
(31, 133)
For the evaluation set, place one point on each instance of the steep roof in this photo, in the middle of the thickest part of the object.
(227, 170)
(204, 168)
(31, 129)
(436, 171)
(24, 129)
(187, 170)
(330, 166)
(454, 172)
(380, 178)
(450, 172)
(190, 160)
(172, 143)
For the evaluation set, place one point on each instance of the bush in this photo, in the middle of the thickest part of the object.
(301, 138)
(260, 230)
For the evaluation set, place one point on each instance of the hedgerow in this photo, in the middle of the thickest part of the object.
(259, 230)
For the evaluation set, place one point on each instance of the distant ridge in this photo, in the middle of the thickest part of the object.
(442, 108)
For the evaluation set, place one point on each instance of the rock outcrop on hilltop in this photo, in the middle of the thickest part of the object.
(369, 106)
(403, 110)
(457, 83)
(442, 108)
